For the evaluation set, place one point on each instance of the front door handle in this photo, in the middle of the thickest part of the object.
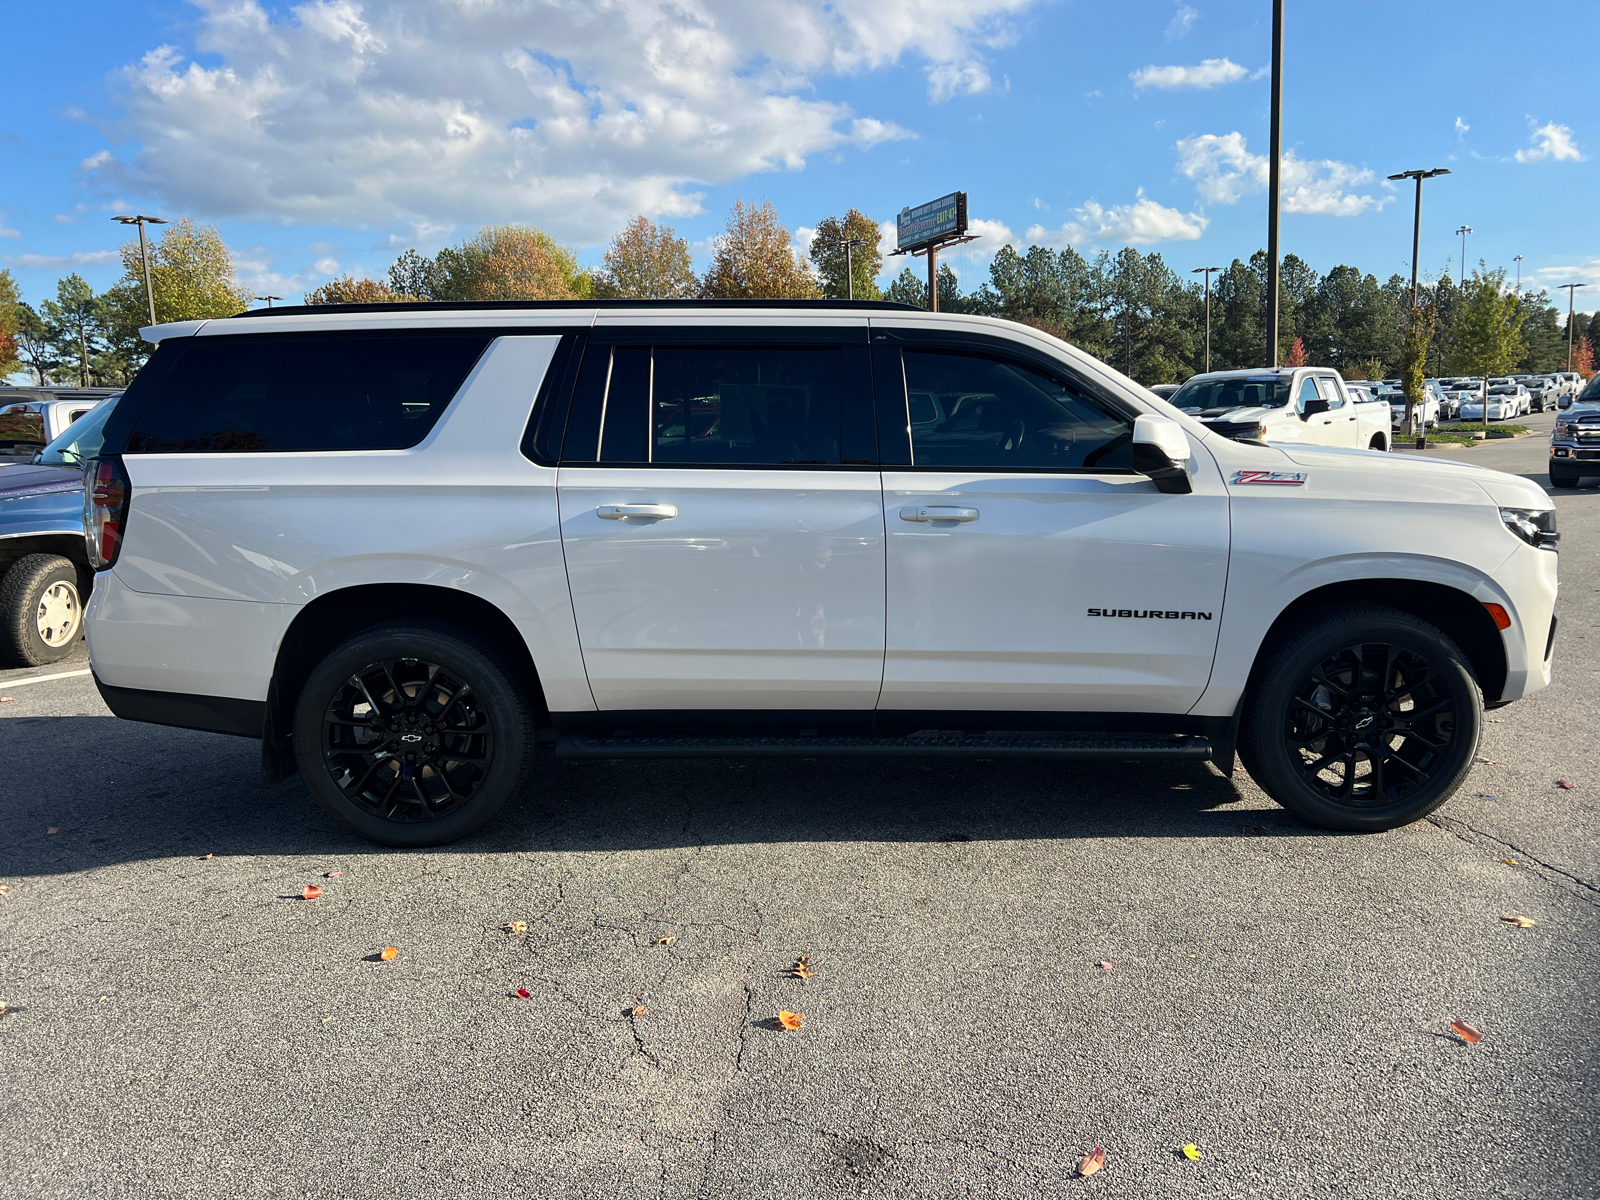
(621, 512)
(922, 513)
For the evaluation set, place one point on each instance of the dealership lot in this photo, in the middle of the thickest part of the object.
(182, 1023)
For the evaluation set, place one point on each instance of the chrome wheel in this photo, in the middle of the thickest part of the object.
(59, 615)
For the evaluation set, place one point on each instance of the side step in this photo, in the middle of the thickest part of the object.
(1102, 746)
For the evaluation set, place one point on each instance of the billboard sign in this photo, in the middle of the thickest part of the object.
(931, 222)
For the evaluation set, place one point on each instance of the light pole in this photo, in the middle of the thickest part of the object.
(268, 299)
(1275, 151)
(1572, 289)
(1518, 261)
(1463, 231)
(849, 272)
(1416, 228)
(144, 254)
(1207, 272)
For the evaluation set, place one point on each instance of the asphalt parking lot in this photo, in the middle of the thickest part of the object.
(181, 1023)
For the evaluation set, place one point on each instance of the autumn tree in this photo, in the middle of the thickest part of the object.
(193, 277)
(753, 259)
(865, 258)
(508, 262)
(646, 261)
(1297, 354)
(345, 290)
(10, 320)
(1583, 357)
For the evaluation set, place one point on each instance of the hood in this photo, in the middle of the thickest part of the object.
(30, 479)
(1508, 491)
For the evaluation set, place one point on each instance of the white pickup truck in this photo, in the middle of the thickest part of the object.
(1285, 404)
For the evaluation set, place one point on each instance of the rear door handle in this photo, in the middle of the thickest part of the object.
(621, 512)
(922, 513)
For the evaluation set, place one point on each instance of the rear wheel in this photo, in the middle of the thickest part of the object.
(1379, 442)
(1364, 719)
(412, 734)
(41, 610)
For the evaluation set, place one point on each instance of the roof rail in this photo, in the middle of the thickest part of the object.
(299, 310)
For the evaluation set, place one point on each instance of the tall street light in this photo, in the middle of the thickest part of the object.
(1463, 231)
(1207, 271)
(144, 253)
(1275, 153)
(1518, 261)
(1416, 229)
(848, 244)
(1572, 289)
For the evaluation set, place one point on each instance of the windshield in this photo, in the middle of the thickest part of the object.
(1502, 391)
(1592, 392)
(78, 441)
(1260, 391)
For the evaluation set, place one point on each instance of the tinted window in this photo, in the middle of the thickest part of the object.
(745, 405)
(288, 392)
(1267, 391)
(1592, 392)
(80, 440)
(988, 413)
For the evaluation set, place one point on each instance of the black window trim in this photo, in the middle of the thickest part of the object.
(1004, 350)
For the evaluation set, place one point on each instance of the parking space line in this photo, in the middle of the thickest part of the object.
(16, 683)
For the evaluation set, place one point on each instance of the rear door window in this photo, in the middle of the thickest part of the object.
(288, 392)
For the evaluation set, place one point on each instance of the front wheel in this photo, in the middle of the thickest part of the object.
(1366, 718)
(1563, 479)
(41, 610)
(412, 734)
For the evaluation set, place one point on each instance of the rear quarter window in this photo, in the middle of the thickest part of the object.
(301, 392)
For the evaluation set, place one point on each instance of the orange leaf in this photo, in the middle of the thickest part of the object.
(791, 1020)
(8, 699)
(665, 940)
(802, 968)
(387, 953)
(1092, 1161)
(1520, 922)
(310, 892)
(638, 1010)
(1466, 1032)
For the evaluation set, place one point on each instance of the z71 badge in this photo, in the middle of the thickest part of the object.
(1275, 478)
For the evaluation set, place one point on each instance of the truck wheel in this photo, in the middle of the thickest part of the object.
(41, 611)
(1563, 479)
(413, 734)
(1365, 718)
(1379, 442)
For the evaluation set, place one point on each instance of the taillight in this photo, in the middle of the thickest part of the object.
(106, 492)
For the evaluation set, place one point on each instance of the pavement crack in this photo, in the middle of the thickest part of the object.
(1477, 837)
(744, 1027)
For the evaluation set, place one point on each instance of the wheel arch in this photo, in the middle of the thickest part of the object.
(331, 618)
(69, 545)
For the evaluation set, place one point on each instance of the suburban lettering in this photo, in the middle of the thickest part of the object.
(1140, 614)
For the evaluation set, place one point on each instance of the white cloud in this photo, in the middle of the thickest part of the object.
(1461, 127)
(1142, 223)
(82, 258)
(327, 266)
(1551, 141)
(992, 235)
(1225, 172)
(1588, 273)
(1213, 72)
(573, 116)
(1182, 22)
(5, 231)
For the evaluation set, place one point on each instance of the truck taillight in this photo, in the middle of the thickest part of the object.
(106, 491)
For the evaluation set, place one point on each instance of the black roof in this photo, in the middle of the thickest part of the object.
(297, 310)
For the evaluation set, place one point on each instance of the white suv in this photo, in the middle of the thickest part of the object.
(396, 543)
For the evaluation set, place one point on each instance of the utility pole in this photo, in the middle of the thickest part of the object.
(848, 245)
(268, 299)
(1275, 151)
(1572, 289)
(144, 254)
(1463, 231)
(1416, 228)
(1207, 271)
(1517, 260)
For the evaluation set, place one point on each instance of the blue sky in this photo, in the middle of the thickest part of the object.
(323, 138)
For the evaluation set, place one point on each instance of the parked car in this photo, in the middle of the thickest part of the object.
(1430, 408)
(1571, 383)
(396, 545)
(1165, 390)
(45, 577)
(1287, 404)
(1575, 441)
(30, 418)
(1541, 391)
(1504, 404)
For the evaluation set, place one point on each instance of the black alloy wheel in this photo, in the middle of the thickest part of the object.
(1361, 718)
(414, 733)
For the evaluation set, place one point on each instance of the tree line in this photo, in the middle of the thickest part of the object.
(1129, 308)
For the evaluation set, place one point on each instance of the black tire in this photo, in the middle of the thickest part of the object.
(472, 722)
(41, 610)
(1562, 479)
(1324, 740)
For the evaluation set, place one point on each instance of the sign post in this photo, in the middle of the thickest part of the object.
(927, 227)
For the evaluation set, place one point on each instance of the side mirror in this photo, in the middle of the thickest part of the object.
(1310, 408)
(1161, 451)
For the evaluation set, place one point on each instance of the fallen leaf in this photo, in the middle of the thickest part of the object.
(4, 1009)
(1565, 783)
(325, 1020)
(1486, 796)
(638, 1010)
(1192, 1152)
(1482, 759)
(1510, 862)
(1519, 922)
(802, 968)
(523, 994)
(1092, 1161)
(8, 699)
(791, 1020)
(310, 892)
(1106, 966)
(1466, 1032)
(208, 858)
(387, 953)
(665, 940)
(515, 927)
(4, 888)
(332, 874)
(49, 829)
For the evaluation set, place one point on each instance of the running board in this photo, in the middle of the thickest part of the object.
(1113, 747)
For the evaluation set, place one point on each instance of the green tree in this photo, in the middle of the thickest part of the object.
(1488, 333)
(1415, 339)
(10, 323)
(193, 277)
(908, 287)
(1238, 301)
(865, 259)
(753, 260)
(647, 261)
(345, 290)
(1543, 335)
(414, 274)
(34, 346)
(75, 328)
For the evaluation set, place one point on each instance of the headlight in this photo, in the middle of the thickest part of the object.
(1536, 527)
